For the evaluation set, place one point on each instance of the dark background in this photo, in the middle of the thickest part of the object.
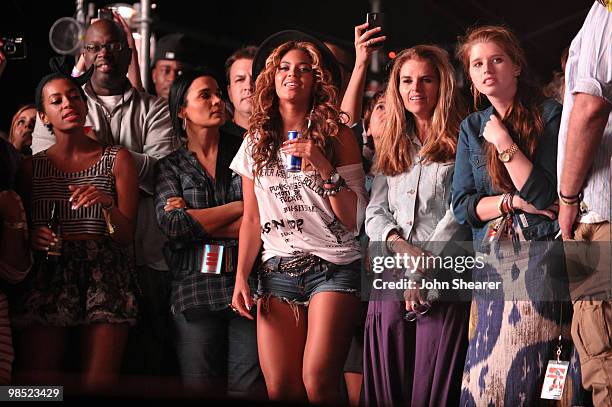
(544, 26)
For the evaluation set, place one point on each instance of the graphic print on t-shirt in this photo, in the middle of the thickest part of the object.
(294, 216)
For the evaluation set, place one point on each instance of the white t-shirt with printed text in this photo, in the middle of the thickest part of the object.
(294, 218)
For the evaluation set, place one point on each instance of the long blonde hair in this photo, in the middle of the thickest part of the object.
(523, 119)
(393, 156)
(265, 122)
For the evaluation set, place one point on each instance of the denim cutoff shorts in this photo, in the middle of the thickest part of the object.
(297, 283)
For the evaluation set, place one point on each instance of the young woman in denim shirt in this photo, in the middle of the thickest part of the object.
(416, 362)
(506, 166)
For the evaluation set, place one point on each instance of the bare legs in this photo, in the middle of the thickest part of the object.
(43, 348)
(40, 356)
(280, 341)
(102, 346)
(353, 387)
(305, 359)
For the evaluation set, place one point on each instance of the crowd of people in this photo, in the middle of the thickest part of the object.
(186, 233)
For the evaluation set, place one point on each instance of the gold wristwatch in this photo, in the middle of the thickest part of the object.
(506, 155)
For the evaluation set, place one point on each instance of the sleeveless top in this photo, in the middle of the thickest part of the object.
(50, 185)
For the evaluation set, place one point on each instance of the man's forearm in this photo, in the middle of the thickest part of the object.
(586, 125)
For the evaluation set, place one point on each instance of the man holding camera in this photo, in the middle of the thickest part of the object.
(120, 114)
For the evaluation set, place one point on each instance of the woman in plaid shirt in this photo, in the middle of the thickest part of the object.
(198, 202)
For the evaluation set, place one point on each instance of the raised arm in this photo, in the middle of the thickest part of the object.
(536, 179)
(365, 44)
(134, 68)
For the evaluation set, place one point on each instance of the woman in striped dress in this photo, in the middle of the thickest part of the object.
(89, 283)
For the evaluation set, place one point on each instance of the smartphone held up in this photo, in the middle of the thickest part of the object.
(374, 20)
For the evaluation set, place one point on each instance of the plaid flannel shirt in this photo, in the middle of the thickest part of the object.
(180, 174)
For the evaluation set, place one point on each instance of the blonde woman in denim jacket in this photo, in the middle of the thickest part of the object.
(417, 362)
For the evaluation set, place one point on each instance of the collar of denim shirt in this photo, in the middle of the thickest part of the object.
(484, 118)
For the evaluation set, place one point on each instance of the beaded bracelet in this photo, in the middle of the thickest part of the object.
(337, 188)
(505, 204)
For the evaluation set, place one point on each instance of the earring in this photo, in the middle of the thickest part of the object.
(310, 118)
(184, 122)
(49, 127)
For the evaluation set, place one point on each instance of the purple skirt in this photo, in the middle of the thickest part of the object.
(416, 363)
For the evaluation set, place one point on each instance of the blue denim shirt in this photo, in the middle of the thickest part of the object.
(471, 181)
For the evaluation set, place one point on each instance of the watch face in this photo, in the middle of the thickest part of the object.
(335, 178)
(504, 157)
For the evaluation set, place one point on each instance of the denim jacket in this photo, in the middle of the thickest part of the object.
(413, 203)
(471, 181)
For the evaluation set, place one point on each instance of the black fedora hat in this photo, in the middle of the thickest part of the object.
(275, 40)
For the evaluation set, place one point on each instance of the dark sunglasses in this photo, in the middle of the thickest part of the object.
(420, 310)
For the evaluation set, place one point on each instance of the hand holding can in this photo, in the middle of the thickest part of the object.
(293, 163)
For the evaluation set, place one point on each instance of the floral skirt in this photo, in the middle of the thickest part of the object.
(93, 281)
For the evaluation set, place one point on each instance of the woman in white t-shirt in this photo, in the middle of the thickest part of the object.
(308, 221)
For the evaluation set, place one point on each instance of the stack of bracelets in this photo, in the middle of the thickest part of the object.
(505, 204)
(392, 240)
(334, 184)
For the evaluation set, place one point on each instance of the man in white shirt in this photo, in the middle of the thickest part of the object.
(585, 150)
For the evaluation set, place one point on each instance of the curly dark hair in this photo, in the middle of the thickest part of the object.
(265, 121)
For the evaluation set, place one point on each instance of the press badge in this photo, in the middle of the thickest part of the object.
(554, 381)
(212, 259)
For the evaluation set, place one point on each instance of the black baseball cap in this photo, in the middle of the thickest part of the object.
(174, 47)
